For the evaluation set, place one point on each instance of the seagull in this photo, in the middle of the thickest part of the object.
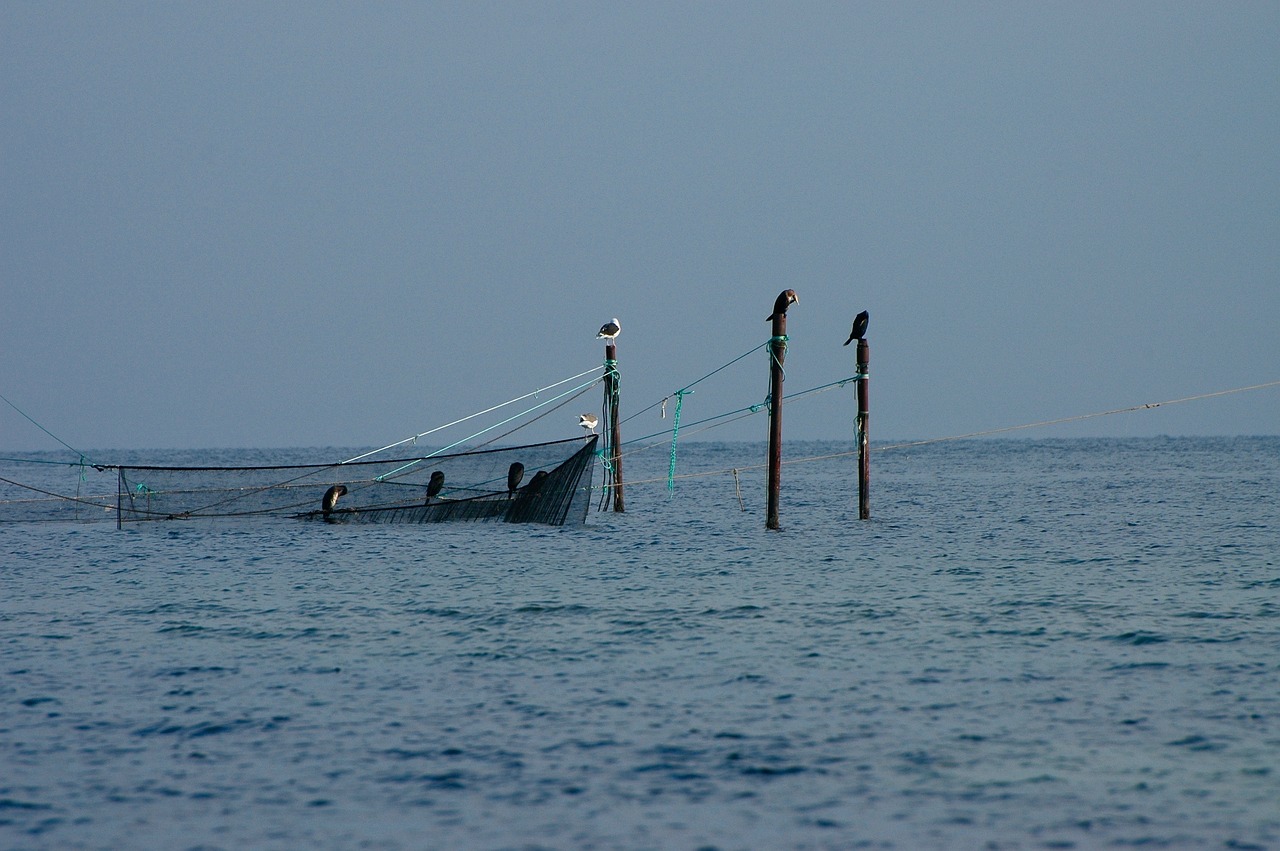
(859, 328)
(610, 330)
(786, 298)
(589, 422)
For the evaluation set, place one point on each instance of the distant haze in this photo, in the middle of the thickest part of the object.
(293, 224)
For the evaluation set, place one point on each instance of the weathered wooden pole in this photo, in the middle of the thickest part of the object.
(777, 354)
(612, 394)
(864, 462)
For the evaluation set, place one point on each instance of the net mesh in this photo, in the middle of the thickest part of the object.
(537, 483)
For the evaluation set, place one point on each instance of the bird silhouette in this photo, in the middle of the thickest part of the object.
(859, 327)
(786, 298)
(434, 486)
(514, 475)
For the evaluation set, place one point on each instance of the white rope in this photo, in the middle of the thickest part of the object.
(415, 437)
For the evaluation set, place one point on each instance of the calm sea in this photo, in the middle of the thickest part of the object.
(1031, 644)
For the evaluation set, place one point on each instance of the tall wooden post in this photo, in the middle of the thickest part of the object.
(777, 353)
(864, 463)
(615, 427)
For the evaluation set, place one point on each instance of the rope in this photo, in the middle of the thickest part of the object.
(663, 400)
(910, 444)
(778, 344)
(675, 433)
(414, 438)
(547, 412)
(43, 429)
(579, 390)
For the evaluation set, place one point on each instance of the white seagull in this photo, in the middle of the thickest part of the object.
(610, 330)
(588, 421)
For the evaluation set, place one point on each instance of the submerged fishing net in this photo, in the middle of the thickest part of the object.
(539, 483)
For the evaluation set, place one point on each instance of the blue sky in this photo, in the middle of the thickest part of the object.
(285, 224)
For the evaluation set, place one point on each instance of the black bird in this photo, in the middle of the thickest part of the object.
(435, 485)
(859, 327)
(786, 298)
(514, 475)
(536, 483)
(331, 498)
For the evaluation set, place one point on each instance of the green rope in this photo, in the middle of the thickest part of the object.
(675, 434)
(781, 344)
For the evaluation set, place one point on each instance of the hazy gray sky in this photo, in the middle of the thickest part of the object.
(302, 224)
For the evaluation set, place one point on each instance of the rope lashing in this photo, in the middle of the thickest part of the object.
(675, 434)
(775, 344)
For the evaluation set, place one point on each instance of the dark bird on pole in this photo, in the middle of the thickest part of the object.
(786, 298)
(514, 475)
(859, 327)
(610, 330)
(435, 485)
(331, 498)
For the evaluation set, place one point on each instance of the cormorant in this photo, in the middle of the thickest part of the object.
(435, 485)
(786, 298)
(859, 328)
(536, 483)
(331, 498)
(514, 475)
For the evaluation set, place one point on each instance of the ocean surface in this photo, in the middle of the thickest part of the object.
(1031, 644)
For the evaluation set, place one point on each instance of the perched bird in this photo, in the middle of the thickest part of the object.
(859, 328)
(536, 483)
(588, 422)
(331, 498)
(434, 486)
(610, 330)
(514, 474)
(786, 298)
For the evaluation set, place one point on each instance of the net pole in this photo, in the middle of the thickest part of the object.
(864, 455)
(777, 353)
(612, 392)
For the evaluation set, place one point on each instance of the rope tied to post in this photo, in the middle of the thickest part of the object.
(776, 345)
(675, 434)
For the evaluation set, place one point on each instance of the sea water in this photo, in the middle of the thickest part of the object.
(1030, 644)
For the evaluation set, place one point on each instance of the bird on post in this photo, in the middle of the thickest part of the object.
(610, 330)
(786, 298)
(859, 327)
(588, 422)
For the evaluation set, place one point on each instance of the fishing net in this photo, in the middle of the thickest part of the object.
(539, 483)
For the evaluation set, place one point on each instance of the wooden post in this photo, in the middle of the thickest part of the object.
(864, 464)
(777, 353)
(611, 393)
